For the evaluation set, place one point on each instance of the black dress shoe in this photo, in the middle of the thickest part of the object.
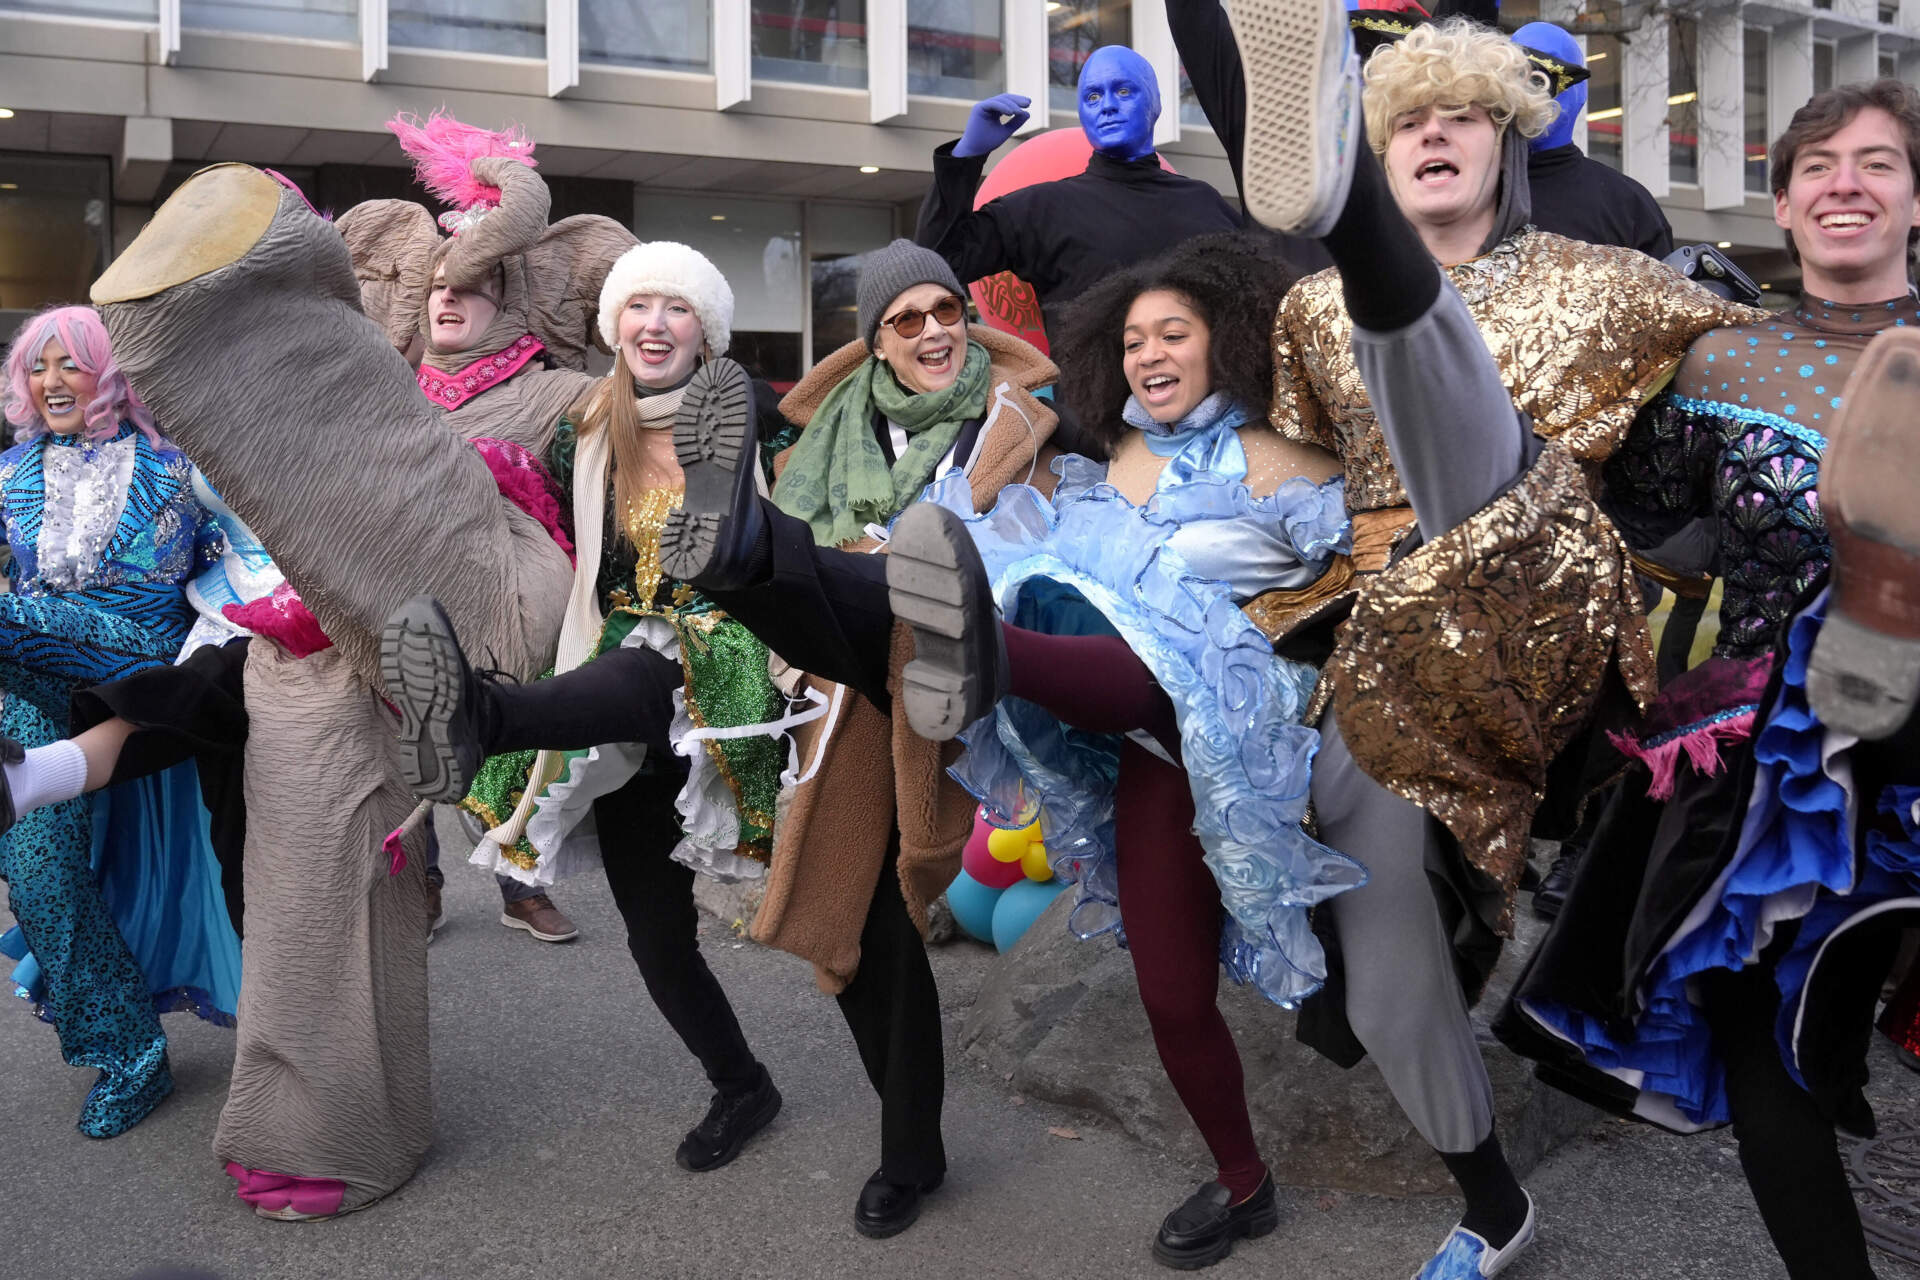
(442, 701)
(937, 585)
(888, 1208)
(1202, 1231)
(729, 1122)
(11, 752)
(1558, 882)
(710, 540)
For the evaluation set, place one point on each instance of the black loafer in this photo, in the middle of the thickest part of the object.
(937, 585)
(709, 541)
(439, 697)
(888, 1208)
(729, 1122)
(1202, 1231)
(1557, 883)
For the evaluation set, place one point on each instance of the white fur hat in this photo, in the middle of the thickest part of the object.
(678, 271)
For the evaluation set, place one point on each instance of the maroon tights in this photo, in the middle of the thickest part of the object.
(1168, 898)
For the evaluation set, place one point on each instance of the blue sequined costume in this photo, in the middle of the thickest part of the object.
(1169, 577)
(1738, 438)
(101, 536)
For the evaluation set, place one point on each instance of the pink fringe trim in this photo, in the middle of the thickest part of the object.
(1701, 746)
(444, 150)
(265, 1190)
(283, 618)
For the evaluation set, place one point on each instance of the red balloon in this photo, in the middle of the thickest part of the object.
(1007, 302)
(983, 866)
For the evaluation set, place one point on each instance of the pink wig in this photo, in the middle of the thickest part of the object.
(443, 150)
(85, 338)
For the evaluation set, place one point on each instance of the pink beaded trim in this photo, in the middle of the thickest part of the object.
(451, 390)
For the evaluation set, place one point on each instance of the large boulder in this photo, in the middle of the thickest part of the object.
(1064, 1018)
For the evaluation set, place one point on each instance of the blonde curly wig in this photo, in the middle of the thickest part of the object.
(1456, 64)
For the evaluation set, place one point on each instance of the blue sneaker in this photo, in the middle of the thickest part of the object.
(1466, 1255)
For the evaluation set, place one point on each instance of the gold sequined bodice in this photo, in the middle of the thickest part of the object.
(643, 521)
(1582, 335)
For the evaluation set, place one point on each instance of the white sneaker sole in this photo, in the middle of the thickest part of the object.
(524, 927)
(1303, 111)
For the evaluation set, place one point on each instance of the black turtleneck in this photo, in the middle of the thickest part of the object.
(1580, 198)
(1062, 237)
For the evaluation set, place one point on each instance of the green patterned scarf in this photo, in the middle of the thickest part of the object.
(837, 478)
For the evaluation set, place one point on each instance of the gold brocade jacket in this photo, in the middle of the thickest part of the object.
(1468, 664)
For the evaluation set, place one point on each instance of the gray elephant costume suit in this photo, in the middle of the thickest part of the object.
(238, 316)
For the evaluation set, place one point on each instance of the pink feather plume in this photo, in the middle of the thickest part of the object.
(443, 150)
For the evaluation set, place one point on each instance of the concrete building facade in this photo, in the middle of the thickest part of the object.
(782, 137)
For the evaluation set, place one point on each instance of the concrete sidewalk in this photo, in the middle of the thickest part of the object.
(561, 1095)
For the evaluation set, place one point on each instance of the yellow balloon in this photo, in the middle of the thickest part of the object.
(1034, 863)
(1007, 846)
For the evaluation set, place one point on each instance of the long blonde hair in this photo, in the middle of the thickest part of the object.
(1453, 65)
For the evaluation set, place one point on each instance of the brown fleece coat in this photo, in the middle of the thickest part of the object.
(877, 774)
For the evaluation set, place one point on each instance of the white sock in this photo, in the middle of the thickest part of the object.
(47, 776)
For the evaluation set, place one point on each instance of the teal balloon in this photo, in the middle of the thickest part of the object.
(973, 906)
(1019, 906)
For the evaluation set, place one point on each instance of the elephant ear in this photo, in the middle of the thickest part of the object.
(392, 243)
(513, 227)
(564, 273)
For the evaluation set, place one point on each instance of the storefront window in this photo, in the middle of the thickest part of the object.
(1822, 65)
(838, 239)
(55, 236)
(1683, 101)
(304, 19)
(131, 10)
(756, 246)
(811, 41)
(516, 28)
(1075, 28)
(954, 48)
(1756, 48)
(674, 34)
(1603, 99)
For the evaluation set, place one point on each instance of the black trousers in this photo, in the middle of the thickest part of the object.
(195, 711)
(626, 695)
(824, 611)
(893, 1009)
(638, 827)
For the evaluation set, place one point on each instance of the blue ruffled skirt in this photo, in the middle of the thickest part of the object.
(153, 857)
(1794, 861)
(1090, 562)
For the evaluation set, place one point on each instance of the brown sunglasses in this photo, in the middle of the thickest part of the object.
(909, 321)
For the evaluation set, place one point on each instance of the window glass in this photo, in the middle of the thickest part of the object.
(811, 41)
(305, 19)
(517, 28)
(1683, 101)
(1075, 28)
(55, 232)
(756, 246)
(838, 239)
(954, 48)
(132, 10)
(1756, 44)
(674, 34)
(1603, 99)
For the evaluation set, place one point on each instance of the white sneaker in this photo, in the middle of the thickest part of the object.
(1466, 1255)
(1303, 111)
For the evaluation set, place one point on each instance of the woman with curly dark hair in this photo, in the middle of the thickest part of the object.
(1147, 721)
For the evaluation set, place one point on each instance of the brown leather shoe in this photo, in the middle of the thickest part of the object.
(1863, 676)
(539, 917)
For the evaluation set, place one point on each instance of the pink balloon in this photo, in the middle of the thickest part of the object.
(983, 866)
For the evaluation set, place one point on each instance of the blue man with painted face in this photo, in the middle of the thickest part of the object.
(1063, 236)
(1575, 195)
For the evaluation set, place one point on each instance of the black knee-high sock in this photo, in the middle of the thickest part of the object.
(1496, 1206)
(1389, 278)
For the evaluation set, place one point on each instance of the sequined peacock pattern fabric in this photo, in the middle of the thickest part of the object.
(1469, 663)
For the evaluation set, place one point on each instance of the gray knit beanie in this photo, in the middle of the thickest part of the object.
(887, 273)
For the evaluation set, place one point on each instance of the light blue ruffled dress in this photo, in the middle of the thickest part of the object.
(1169, 578)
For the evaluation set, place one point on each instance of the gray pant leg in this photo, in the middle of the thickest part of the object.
(1403, 1001)
(1451, 427)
